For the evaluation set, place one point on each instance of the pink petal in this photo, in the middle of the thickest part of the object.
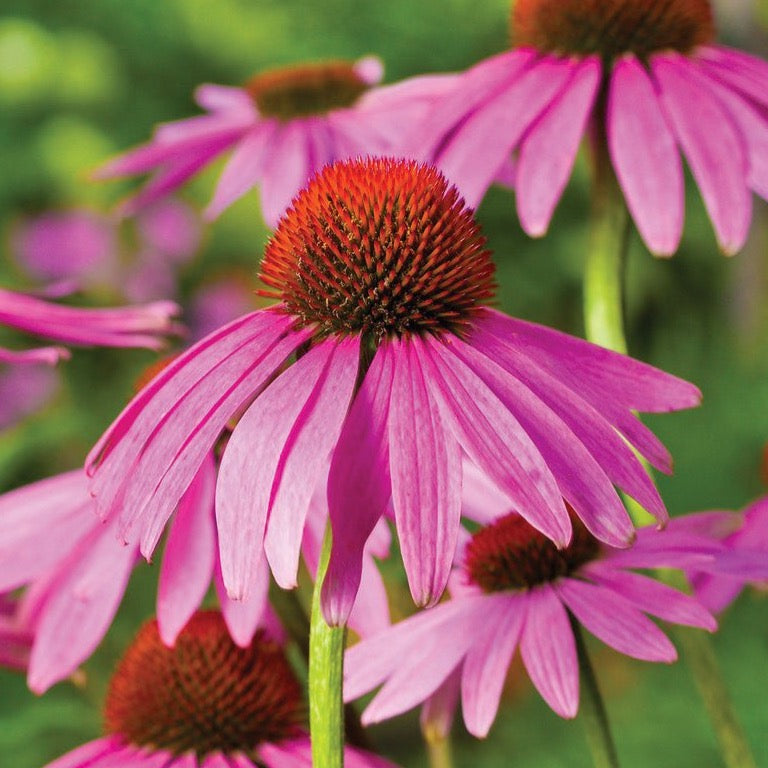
(596, 433)
(286, 171)
(252, 464)
(482, 501)
(645, 157)
(244, 617)
(712, 145)
(494, 440)
(486, 664)
(370, 69)
(753, 127)
(425, 665)
(306, 456)
(437, 712)
(36, 519)
(223, 98)
(467, 93)
(40, 355)
(189, 556)
(82, 603)
(548, 152)
(425, 466)
(285, 755)
(87, 754)
(588, 490)
(375, 659)
(653, 597)
(549, 651)
(473, 155)
(738, 70)
(358, 485)
(612, 618)
(243, 169)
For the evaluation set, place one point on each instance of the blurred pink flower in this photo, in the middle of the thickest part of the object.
(647, 79)
(76, 571)
(750, 541)
(170, 229)
(204, 704)
(25, 389)
(441, 376)
(15, 635)
(73, 245)
(218, 302)
(513, 588)
(284, 125)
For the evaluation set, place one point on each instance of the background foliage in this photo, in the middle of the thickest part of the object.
(80, 79)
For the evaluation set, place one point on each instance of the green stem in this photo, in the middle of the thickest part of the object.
(439, 751)
(326, 660)
(592, 709)
(604, 322)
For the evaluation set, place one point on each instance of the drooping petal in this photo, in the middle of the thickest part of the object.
(591, 427)
(223, 98)
(645, 157)
(36, 519)
(548, 151)
(243, 169)
(426, 665)
(189, 556)
(712, 145)
(486, 664)
(244, 617)
(285, 171)
(478, 148)
(494, 440)
(358, 486)
(306, 456)
(253, 462)
(615, 621)
(588, 490)
(81, 604)
(549, 651)
(753, 127)
(425, 466)
(738, 69)
(653, 597)
(38, 356)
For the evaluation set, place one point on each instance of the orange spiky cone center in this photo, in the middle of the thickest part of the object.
(205, 694)
(379, 247)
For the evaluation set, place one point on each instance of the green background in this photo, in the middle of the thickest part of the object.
(80, 79)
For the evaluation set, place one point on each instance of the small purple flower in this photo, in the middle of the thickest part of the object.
(514, 589)
(647, 79)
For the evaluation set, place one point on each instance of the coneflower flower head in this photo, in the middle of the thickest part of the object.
(646, 78)
(205, 702)
(378, 372)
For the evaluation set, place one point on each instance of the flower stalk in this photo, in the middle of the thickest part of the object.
(592, 709)
(326, 661)
(604, 324)
(439, 750)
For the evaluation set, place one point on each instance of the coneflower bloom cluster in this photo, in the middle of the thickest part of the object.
(204, 703)
(382, 361)
(644, 76)
(282, 126)
(512, 589)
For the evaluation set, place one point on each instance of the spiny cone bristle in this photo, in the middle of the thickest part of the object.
(205, 694)
(511, 554)
(379, 247)
(306, 89)
(611, 28)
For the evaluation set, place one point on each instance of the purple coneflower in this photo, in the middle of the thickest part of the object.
(382, 359)
(515, 589)
(283, 125)
(644, 75)
(750, 540)
(205, 703)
